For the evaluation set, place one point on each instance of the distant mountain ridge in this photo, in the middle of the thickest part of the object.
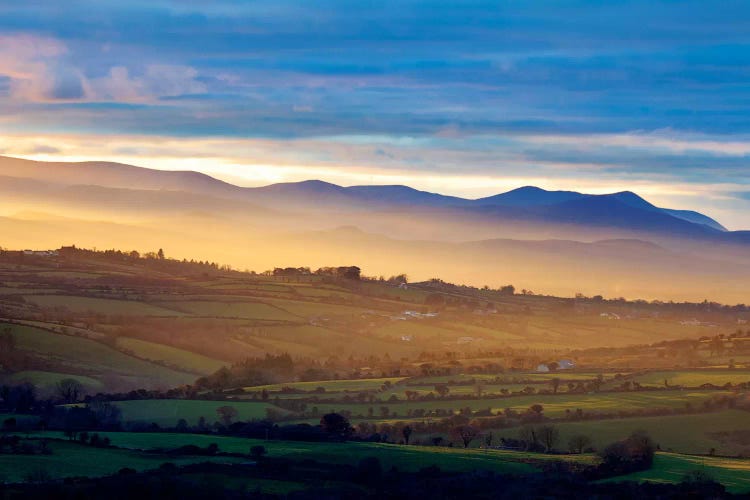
(624, 209)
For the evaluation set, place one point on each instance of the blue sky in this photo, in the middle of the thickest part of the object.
(467, 98)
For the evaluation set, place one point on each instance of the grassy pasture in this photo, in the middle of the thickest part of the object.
(518, 378)
(304, 339)
(6, 290)
(733, 473)
(91, 355)
(266, 344)
(46, 381)
(421, 330)
(102, 306)
(355, 385)
(322, 292)
(247, 310)
(493, 334)
(73, 274)
(554, 405)
(465, 390)
(174, 356)
(75, 460)
(167, 412)
(680, 433)
(694, 378)
(411, 458)
(308, 309)
(591, 331)
(668, 467)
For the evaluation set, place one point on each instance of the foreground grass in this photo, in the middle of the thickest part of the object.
(247, 484)
(75, 460)
(71, 459)
(408, 458)
(733, 473)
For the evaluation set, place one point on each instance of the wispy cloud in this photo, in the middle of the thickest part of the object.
(641, 94)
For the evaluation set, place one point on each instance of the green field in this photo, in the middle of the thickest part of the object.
(554, 405)
(82, 353)
(420, 330)
(308, 309)
(465, 390)
(516, 378)
(672, 468)
(668, 467)
(410, 458)
(46, 381)
(102, 306)
(354, 385)
(680, 433)
(76, 460)
(167, 412)
(246, 310)
(694, 378)
(190, 361)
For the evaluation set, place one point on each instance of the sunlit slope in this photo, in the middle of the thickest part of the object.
(629, 268)
(126, 325)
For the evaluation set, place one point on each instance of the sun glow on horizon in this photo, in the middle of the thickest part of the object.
(259, 162)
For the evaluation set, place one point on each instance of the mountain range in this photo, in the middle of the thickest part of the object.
(625, 209)
(558, 240)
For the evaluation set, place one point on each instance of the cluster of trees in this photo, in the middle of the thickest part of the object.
(11, 444)
(252, 371)
(84, 437)
(343, 272)
(155, 259)
(24, 397)
(20, 398)
(635, 453)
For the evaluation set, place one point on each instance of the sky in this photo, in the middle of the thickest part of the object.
(467, 98)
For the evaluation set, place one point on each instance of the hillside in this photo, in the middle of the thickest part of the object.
(131, 322)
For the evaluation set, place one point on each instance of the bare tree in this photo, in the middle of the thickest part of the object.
(488, 439)
(227, 414)
(555, 383)
(529, 436)
(406, 432)
(578, 443)
(549, 435)
(69, 390)
(466, 433)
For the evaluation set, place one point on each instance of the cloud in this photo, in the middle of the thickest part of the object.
(601, 94)
(66, 84)
(156, 82)
(35, 68)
